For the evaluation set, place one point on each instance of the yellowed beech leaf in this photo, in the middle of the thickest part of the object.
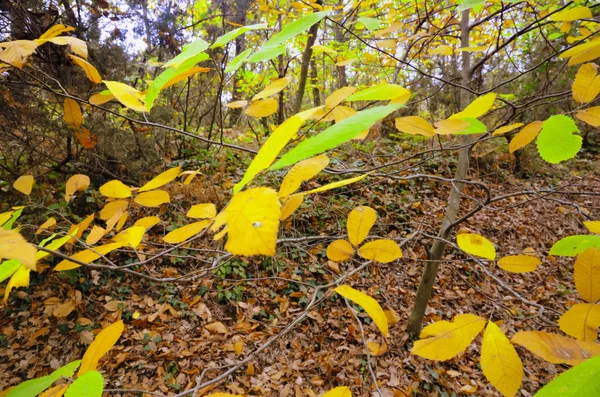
(147, 222)
(90, 71)
(78, 229)
(50, 222)
(317, 49)
(445, 339)
(154, 198)
(300, 172)
(448, 127)
(132, 236)
(338, 96)
(56, 391)
(506, 128)
(102, 343)
(262, 108)
(273, 88)
(339, 250)
(345, 62)
(16, 53)
(477, 108)
(415, 125)
(77, 46)
(471, 49)
(128, 96)
(556, 349)
(64, 309)
(183, 76)
(442, 50)
(402, 99)
(360, 221)
(14, 246)
(100, 98)
(251, 215)
(122, 220)
(341, 391)
(500, 362)
(185, 232)
(377, 349)
(5, 216)
(86, 256)
(73, 115)
(202, 211)
(525, 136)
(519, 263)
(236, 104)
(115, 189)
(95, 235)
(592, 226)
(587, 83)
(115, 219)
(217, 328)
(582, 53)
(581, 321)
(55, 31)
(587, 274)
(161, 179)
(111, 208)
(590, 116)
(190, 176)
(335, 185)
(370, 305)
(290, 206)
(382, 251)
(24, 184)
(340, 113)
(572, 14)
(76, 183)
(477, 245)
(19, 279)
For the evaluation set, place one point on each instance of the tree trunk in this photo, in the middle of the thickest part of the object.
(314, 79)
(312, 36)
(438, 247)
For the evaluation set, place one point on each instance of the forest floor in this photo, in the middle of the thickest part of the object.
(176, 331)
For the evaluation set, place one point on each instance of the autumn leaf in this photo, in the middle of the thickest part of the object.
(115, 189)
(161, 179)
(525, 136)
(339, 250)
(581, 321)
(24, 184)
(14, 246)
(262, 108)
(370, 305)
(587, 274)
(519, 263)
(477, 245)
(103, 342)
(360, 221)
(383, 251)
(186, 232)
(291, 205)
(273, 88)
(554, 348)
(76, 183)
(154, 198)
(500, 362)
(300, 172)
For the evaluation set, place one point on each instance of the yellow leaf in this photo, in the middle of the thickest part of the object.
(415, 125)
(185, 232)
(73, 115)
(183, 76)
(24, 184)
(556, 349)
(132, 236)
(273, 145)
(291, 204)
(236, 104)
(14, 246)
(338, 96)
(442, 50)
(519, 263)
(262, 108)
(154, 198)
(342, 112)
(572, 14)
(370, 305)
(506, 128)
(377, 349)
(345, 62)
(5, 216)
(95, 235)
(445, 339)
(202, 211)
(103, 342)
(55, 31)
(360, 221)
(525, 136)
(587, 274)
(273, 88)
(382, 251)
(317, 49)
(81, 227)
(582, 53)
(392, 316)
(500, 362)
(477, 108)
(19, 279)
(56, 391)
(190, 176)
(78, 46)
(100, 98)
(162, 179)
(587, 83)
(76, 183)
(590, 116)
(64, 310)
(223, 395)
(471, 49)
(341, 391)
(300, 172)
(402, 99)
(55, 245)
(46, 225)
(592, 226)
(238, 347)
(335, 185)
(16, 53)
(86, 256)
(147, 222)
(477, 245)
(217, 328)
(90, 71)
(115, 189)
(122, 220)
(448, 127)
(110, 209)
(581, 321)
(339, 250)
(128, 96)
(251, 215)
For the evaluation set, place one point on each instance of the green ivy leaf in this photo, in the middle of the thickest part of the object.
(557, 141)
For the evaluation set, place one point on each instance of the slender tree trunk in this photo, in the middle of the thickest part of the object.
(314, 79)
(312, 36)
(241, 8)
(438, 247)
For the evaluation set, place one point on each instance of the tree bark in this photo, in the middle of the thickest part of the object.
(312, 36)
(314, 79)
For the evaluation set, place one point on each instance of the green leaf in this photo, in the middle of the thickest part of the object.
(467, 4)
(89, 384)
(189, 51)
(237, 61)
(556, 142)
(475, 127)
(9, 224)
(583, 380)
(226, 38)
(574, 245)
(33, 387)
(379, 92)
(369, 23)
(8, 268)
(276, 44)
(335, 135)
